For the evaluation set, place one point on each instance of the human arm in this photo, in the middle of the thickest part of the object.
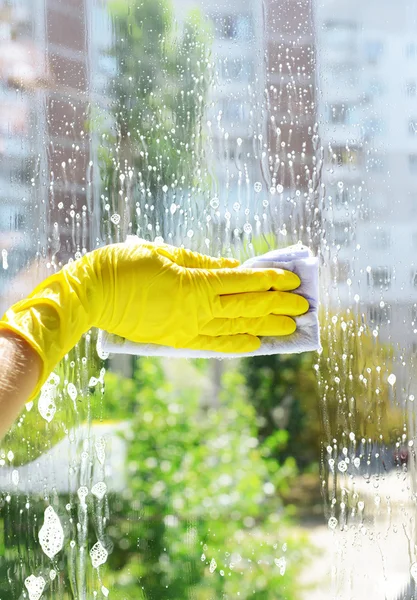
(20, 368)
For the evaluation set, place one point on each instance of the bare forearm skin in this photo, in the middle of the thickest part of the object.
(20, 368)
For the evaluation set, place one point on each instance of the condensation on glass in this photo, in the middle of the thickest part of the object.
(230, 128)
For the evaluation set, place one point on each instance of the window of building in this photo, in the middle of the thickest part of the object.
(411, 88)
(375, 163)
(373, 50)
(342, 236)
(378, 315)
(340, 35)
(412, 163)
(341, 271)
(233, 26)
(376, 87)
(342, 74)
(345, 155)
(372, 127)
(342, 197)
(238, 70)
(380, 277)
(380, 239)
(339, 114)
(233, 112)
(411, 50)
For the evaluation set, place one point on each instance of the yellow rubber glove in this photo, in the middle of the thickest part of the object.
(156, 294)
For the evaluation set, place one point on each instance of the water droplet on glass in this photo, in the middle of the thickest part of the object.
(15, 477)
(190, 233)
(72, 391)
(102, 374)
(332, 523)
(173, 208)
(165, 189)
(51, 534)
(46, 402)
(281, 564)
(35, 586)
(99, 347)
(214, 203)
(82, 493)
(392, 379)
(342, 466)
(98, 555)
(280, 188)
(213, 565)
(99, 490)
(239, 141)
(115, 218)
(247, 228)
(4, 258)
(100, 446)
(257, 186)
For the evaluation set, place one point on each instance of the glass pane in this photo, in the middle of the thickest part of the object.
(229, 129)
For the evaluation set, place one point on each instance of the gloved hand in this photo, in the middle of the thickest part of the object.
(156, 294)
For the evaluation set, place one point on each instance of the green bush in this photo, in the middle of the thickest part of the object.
(202, 516)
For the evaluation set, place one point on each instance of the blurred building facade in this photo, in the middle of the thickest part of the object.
(234, 117)
(22, 72)
(53, 70)
(290, 118)
(290, 89)
(367, 58)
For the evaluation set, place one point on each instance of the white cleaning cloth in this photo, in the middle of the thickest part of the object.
(297, 259)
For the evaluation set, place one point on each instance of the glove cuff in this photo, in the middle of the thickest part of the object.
(51, 320)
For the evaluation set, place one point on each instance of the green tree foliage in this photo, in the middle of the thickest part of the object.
(201, 516)
(353, 383)
(153, 148)
(318, 398)
(283, 390)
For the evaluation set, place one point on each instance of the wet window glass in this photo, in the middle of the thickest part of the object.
(229, 129)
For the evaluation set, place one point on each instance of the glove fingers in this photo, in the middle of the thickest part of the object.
(271, 325)
(194, 260)
(225, 343)
(237, 281)
(260, 304)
